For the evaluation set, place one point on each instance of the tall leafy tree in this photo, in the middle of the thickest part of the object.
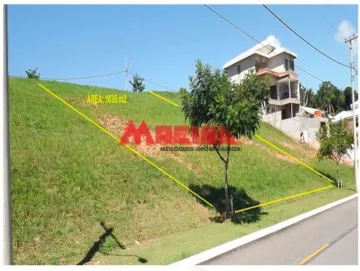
(348, 98)
(339, 101)
(335, 143)
(137, 83)
(306, 96)
(214, 100)
(327, 96)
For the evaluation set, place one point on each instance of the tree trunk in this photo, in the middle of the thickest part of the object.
(337, 175)
(227, 210)
(227, 202)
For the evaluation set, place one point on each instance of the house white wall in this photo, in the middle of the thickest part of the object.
(246, 65)
(277, 63)
(294, 126)
(272, 81)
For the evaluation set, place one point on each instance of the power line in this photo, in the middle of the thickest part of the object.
(292, 30)
(333, 13)
(74, 78)
(95, 76)
(86, 77)
(154, 83)
(251, 37)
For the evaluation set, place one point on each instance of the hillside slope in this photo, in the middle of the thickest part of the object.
(68, 175)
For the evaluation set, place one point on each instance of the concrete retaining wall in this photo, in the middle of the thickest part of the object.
(295, 126)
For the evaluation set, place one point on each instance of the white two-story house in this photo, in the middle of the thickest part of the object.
(278, 64)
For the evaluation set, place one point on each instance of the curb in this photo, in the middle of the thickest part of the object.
(224, 248)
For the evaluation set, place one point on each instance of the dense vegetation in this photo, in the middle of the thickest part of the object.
(328, 97)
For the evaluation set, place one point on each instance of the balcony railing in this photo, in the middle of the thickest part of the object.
(285, 95)
(294, 94)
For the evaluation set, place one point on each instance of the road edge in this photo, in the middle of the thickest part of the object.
(231, 245)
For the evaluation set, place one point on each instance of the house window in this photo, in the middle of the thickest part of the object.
(260, 62)
(238, 69)
(292, 66)
(286, 64)
(289, 65)
(273, 92)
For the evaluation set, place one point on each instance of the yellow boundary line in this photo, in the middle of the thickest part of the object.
(268, 143)
(292, 157)
(286, 198)
(164, 99)
(127, 146)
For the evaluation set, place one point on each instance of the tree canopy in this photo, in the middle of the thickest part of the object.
(137, 83)
(215, 100)
(328, 97)
(31, 74)
(335, 142)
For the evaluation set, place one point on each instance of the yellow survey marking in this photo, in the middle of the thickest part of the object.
(308, 258)
(267, 142)
(127, 146)
(297, 160)
(282, 151)
(286, 198)
(167, 174)
(164, 99)
(77, 111)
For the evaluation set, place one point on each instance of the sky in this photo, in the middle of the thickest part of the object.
(164, 42)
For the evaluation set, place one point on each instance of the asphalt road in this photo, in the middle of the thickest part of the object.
(329, 238)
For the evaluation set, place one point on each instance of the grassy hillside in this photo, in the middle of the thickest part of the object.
(68, 176)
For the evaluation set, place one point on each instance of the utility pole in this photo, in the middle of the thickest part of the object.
(7, 253)
(126, 71)
(350, 40)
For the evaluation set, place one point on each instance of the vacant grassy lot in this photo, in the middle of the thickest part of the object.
(68, 176)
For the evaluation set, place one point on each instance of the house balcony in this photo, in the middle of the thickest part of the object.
(284, 93)
(284, 101)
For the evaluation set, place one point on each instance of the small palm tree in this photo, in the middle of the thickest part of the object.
(137, 84)
(327, 104)
(31, 74)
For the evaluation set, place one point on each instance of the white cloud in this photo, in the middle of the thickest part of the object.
(272, 40)
(344, 31)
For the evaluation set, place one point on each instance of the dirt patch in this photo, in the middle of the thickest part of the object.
(348, 163)
(287, 145)
(284, 158)
(246, 141)
(202, 211)
(116, 125)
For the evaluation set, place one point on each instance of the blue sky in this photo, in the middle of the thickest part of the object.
(165, 41)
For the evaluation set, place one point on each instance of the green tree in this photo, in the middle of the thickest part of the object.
(137, 83)
(348, 98)
(31, 74)
(331, 98)
(327, 97)
(335, 143)
(339, 102)
(214, 100)
(306, 96)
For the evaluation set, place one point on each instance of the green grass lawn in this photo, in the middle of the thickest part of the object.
(68, 176)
